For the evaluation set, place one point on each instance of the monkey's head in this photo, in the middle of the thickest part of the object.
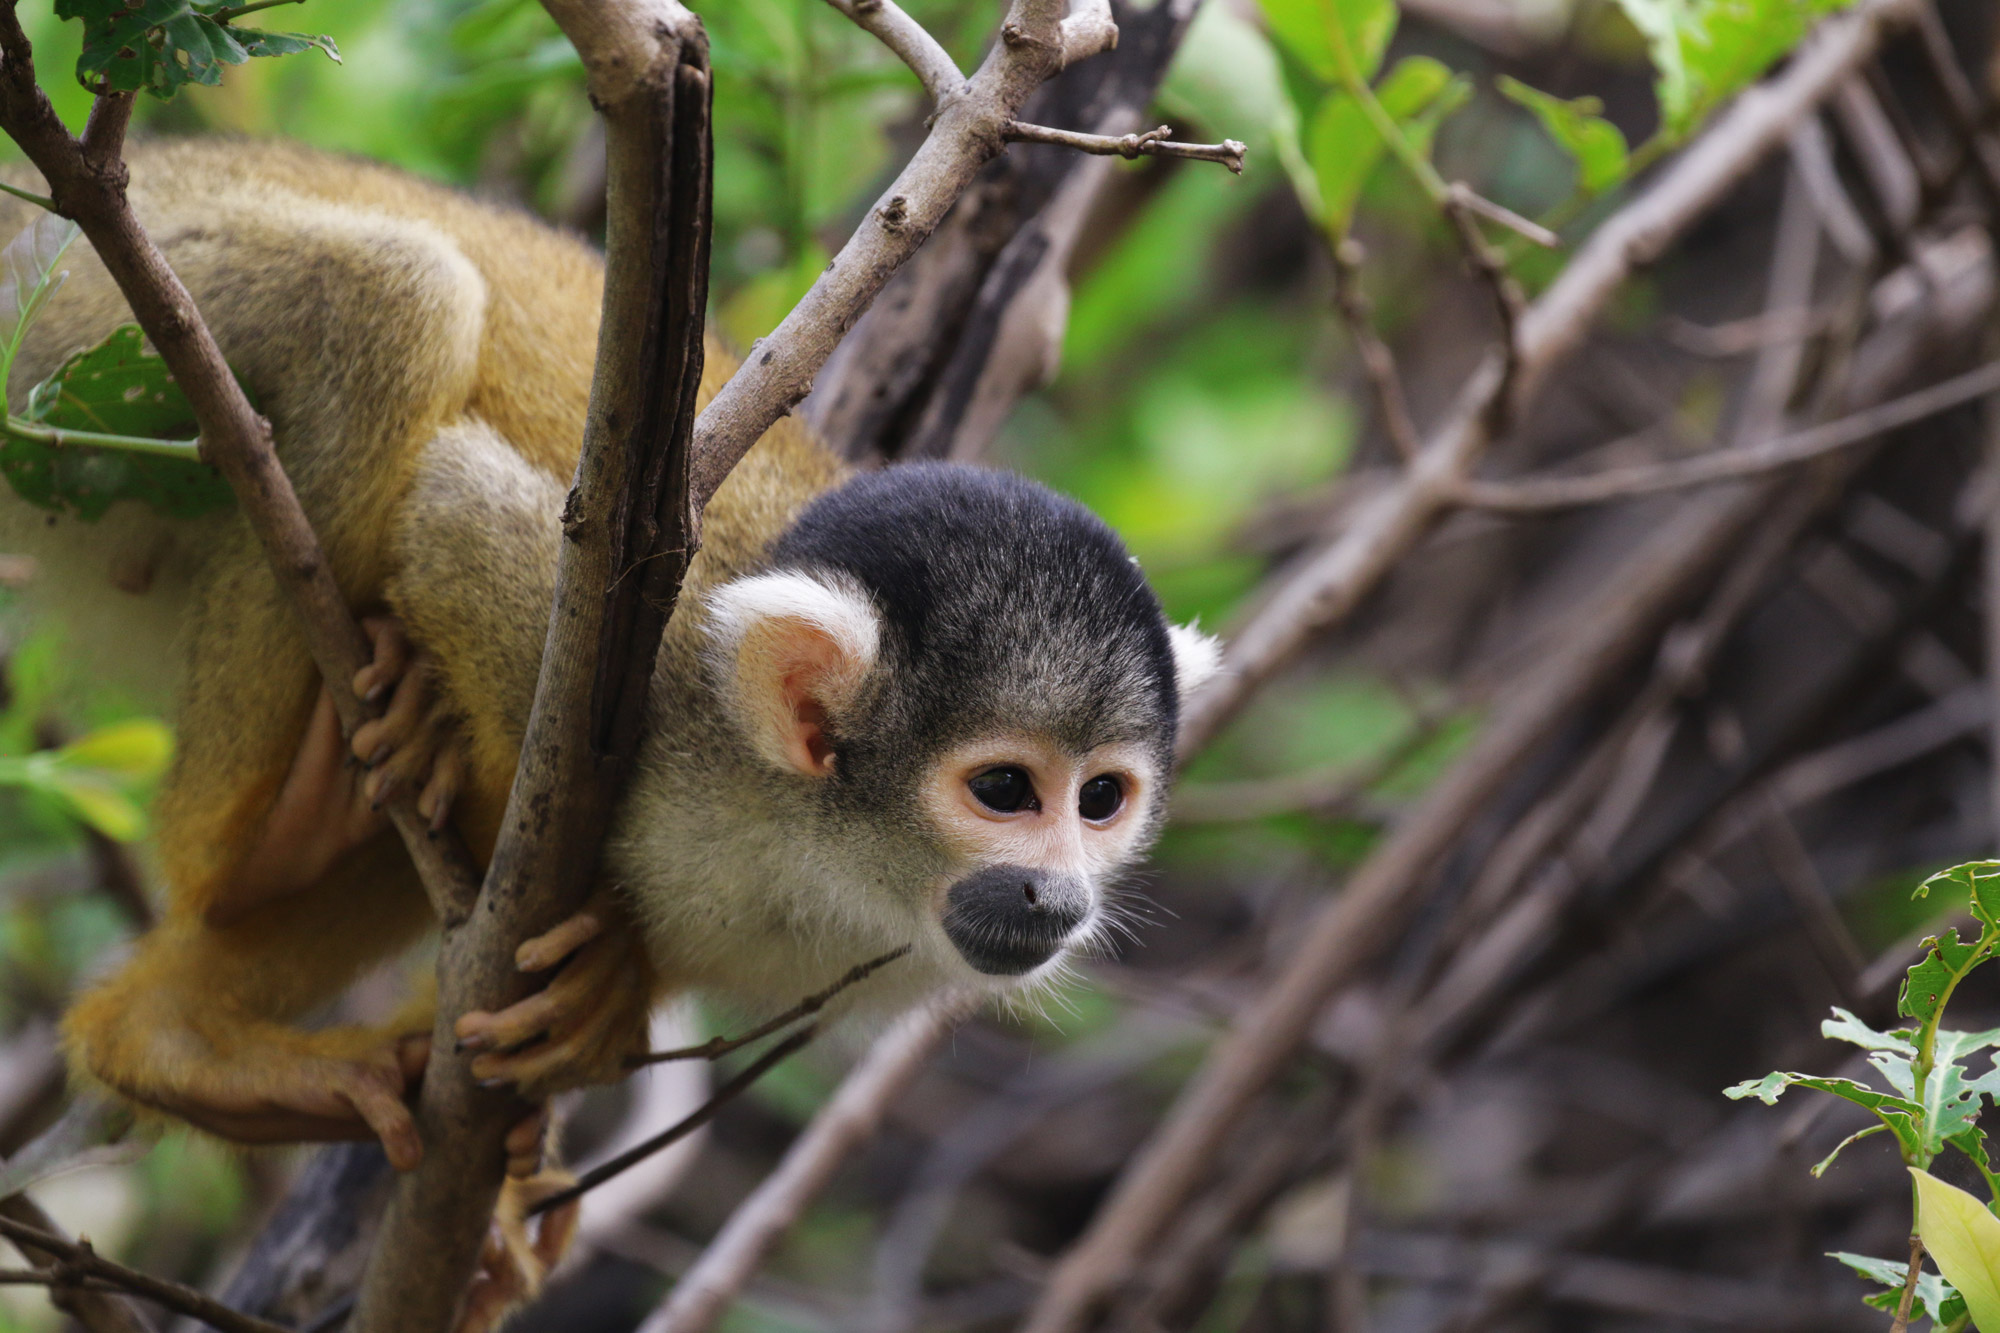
(965, 695)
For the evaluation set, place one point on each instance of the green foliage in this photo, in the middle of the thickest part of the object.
(162, 45)
(108, 424)
(1936, 1299)
(97, 777)
(1706, 51)
(1579, 126)
(1343, 147)
(1934, 1101)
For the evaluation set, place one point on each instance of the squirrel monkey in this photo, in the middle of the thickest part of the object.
(930, 706)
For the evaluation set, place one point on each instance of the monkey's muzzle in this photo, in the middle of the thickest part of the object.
(1007, 920)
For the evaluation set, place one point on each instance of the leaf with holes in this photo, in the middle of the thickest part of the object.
(119, 387)
(163, 45)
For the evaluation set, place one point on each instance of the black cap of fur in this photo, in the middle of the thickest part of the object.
(1004, 605)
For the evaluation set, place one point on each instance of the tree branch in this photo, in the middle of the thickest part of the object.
(914, 46)
(629, 510)
(76, 1259)
(1555, 493)
(1152, 143)
(966, 133)
(87, 184)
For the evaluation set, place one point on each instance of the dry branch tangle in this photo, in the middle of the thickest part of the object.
(1160, 1179)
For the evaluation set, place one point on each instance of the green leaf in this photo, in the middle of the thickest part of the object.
(1343, 147)
(137, 749)
(28, 278)
(162, 45)
(1706, 51)
(1579, 126)
(1978, 880)
(1964, 1239)
(1936, 1299)
(98, 802)
(1900, 1114)
(1946, 961)
(120, 387)
(1844, 1026)
(1307, 30)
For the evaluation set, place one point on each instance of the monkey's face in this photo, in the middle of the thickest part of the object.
(1036, 831)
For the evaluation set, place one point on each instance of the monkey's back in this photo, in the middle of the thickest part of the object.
(249, 218)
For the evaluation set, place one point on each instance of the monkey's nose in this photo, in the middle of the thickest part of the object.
(1007, 920)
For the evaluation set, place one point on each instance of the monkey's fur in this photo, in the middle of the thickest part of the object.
(425, 362)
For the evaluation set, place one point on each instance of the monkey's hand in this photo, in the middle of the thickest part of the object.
(414, 745)
(516, 1260)
(582, 1026)
(326, 808)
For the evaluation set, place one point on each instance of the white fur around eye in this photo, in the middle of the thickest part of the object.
(1197, 657)
(785, 645)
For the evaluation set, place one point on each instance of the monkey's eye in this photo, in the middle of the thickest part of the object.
(1004, 790)
(1100, 798)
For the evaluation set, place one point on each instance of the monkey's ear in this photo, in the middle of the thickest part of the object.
(792, 651)
(1197, 657)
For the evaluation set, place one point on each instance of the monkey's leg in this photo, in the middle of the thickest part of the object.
(195, 1024)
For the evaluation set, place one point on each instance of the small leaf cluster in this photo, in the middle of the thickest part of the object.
(1706, 51)
(1347, 119)
(110, 424)
(93, 778)
(1933, 1099)
(162, 45)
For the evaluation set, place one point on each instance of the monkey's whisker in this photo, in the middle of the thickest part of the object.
(700, 1116)
(812, 1004)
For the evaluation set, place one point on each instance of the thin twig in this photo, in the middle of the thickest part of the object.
(1152, 143)
(915, 47)
(78, 1259)
(716, 1047)
(1552, 493)
(695, 1119)
(1377, 361)
(1508, 301)
(702, 1296)
(1464, 196)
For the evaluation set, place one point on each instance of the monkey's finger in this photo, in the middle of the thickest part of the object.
(524, 1144)
(387, 1114)
(378, 738)
(446, 780)
(546, 950)
(518, 1023)
(391, 659)
(413, 1056)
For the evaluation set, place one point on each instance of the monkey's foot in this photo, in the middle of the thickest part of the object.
(292, 1098)
(519, 1252)
(414, 745)
(579, 1029)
